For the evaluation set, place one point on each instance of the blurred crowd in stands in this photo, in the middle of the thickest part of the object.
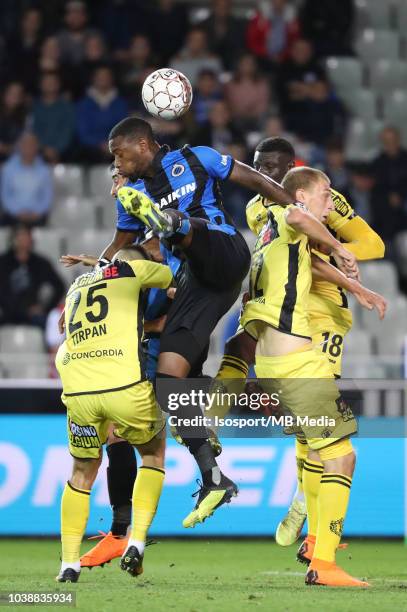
(70, 70)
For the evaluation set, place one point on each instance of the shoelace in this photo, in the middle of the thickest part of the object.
(102, 534)
(291, 519)
(200, 485)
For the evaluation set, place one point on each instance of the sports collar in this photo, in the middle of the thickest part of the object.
(163, 150)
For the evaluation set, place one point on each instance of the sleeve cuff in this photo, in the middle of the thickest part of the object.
(232, 165)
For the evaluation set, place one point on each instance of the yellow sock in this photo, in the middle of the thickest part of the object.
(234, 371)
(74, 516)
(146, 494)
(232, 367)
(301, 452)
(333, 501)
(311, 478)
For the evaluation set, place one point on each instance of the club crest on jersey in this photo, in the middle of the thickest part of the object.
(177, 170)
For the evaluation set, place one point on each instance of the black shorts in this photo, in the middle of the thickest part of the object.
(193, 316)
(217, 259)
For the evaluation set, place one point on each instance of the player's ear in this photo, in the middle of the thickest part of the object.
(142, 144)
(300, 195)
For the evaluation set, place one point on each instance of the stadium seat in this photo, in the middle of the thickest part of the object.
(362, 139)
(390, 340)
(345, 73)
(357, 342)
(395, 108)
(3, 366)
(107, 213)
(34, 368)
(20, 339)
(68, 181)
(373, 14)
(401, 19)
(100, 181)
(386, 75)
(361, 102)
(373, 45)
(73, 213)
(400, 242)
(380, 276)
(363, 368)
(389, 332)
(89, 241)
(49, 242)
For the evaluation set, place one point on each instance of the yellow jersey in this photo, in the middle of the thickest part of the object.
(321, 291)
(280, 278)
(256, 214)
(337, 218)
(104, 327)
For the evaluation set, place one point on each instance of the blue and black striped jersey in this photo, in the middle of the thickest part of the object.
(187, 180)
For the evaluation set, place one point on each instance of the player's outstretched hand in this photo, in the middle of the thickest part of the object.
(370, 300)
(71, 260)
(346, 262)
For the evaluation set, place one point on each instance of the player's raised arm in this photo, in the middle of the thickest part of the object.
(121, 240)
(323, 270)
(305, 222)
(361, 239)
(252, 179)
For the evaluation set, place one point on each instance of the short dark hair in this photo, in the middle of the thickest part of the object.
(132, 127)
(278, 145)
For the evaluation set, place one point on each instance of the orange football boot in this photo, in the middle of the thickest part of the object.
(329, 574)
(306, 550)
(110, 547)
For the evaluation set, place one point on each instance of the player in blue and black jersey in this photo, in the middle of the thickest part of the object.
(177, 195)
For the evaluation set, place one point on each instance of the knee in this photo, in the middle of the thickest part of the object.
(346, 464)
(350, 462)
(341, 462)
(339, 457)
(84, 472)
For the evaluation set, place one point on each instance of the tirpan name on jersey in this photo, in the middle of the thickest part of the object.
(178, 193)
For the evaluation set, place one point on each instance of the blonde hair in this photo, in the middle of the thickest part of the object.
(131, 253)
(302, 177)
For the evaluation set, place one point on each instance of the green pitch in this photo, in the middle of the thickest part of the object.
(209, 576)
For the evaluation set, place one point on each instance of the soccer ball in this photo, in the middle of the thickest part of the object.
(167, 93)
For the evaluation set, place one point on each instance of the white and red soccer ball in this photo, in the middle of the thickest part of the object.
(167, 93)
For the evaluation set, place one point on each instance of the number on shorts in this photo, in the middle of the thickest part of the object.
(334, 347)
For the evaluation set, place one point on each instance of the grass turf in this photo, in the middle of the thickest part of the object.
(207, 576)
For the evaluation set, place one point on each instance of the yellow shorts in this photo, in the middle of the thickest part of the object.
(308, 393)
(134, 412)
(327, 337)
